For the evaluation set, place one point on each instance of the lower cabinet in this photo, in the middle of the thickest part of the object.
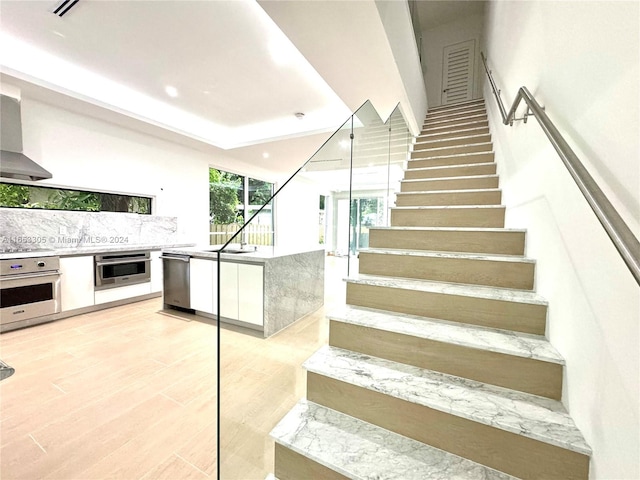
(241, 290)
(202, 284)
(251, 293)
(122, 293)
(76, 282)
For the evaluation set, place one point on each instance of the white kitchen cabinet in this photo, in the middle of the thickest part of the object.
(229, 290)
(76, 282)
(156, 272)
(251, 293)
(122, 293)
(203, 281)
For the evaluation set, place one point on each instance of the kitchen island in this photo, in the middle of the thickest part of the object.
(265, 290)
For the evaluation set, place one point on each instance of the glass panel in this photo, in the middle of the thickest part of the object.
(332, 203)
(266, 296)
(49, 198)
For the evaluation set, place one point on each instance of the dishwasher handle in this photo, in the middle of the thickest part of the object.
(182, 259)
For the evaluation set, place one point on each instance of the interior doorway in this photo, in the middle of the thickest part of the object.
(458, 67)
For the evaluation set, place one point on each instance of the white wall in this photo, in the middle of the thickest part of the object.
(84, 152)
(434, 41)
(581, 61)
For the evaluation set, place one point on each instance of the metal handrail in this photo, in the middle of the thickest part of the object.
(621, 235)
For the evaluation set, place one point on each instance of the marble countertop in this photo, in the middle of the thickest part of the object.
(91, 250)
(262, 254)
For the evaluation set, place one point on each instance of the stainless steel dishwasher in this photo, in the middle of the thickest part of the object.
(176, 280)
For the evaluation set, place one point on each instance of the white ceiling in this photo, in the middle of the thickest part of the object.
(434, 13)
(239, 79)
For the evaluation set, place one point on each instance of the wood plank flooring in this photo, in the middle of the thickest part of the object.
(130, 393)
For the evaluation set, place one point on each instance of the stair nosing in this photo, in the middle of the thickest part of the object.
(501, 294)
(449, 255)
(500, 408)
(483, 338)
(329, 437)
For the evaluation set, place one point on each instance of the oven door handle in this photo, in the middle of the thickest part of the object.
(122, 262)
(50, 273)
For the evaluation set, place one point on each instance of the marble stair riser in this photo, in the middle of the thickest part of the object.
(290, 465)
(450, 142)
(455, 150)
(507, 452)
(469, 131)
(463, 124)
(460, 183)
(504, 274)
(518, 373)
(502, 242)
(485, 312)
(481, 216)
(450, 171)
(436, 117)
(460, 197)
(472, 117)
(446, 160)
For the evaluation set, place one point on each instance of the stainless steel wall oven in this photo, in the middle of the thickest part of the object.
(29, 288)
(119, 269)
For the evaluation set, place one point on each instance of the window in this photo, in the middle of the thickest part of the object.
(234, 199)
(50, 198)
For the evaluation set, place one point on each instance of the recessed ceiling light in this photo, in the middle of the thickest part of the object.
(265, 155)
(171, 91)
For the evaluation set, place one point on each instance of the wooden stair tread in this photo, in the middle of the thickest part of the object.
(465, 290)
(360, 450)
(531, 416)
(507, 342)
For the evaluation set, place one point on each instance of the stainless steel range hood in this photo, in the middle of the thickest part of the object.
(13, 163)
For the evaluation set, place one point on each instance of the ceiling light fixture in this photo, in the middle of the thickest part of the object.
(265, 155)
(299, 115)
(171, 91)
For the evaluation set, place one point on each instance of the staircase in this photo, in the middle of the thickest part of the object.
(437, 366)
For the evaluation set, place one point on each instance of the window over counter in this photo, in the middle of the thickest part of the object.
(50, 198)
(234, 199)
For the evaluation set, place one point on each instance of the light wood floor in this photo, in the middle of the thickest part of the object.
(130, 393)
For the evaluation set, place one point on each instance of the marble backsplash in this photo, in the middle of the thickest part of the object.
(62, 229)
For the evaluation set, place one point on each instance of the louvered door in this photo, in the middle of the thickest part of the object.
(457, 73)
